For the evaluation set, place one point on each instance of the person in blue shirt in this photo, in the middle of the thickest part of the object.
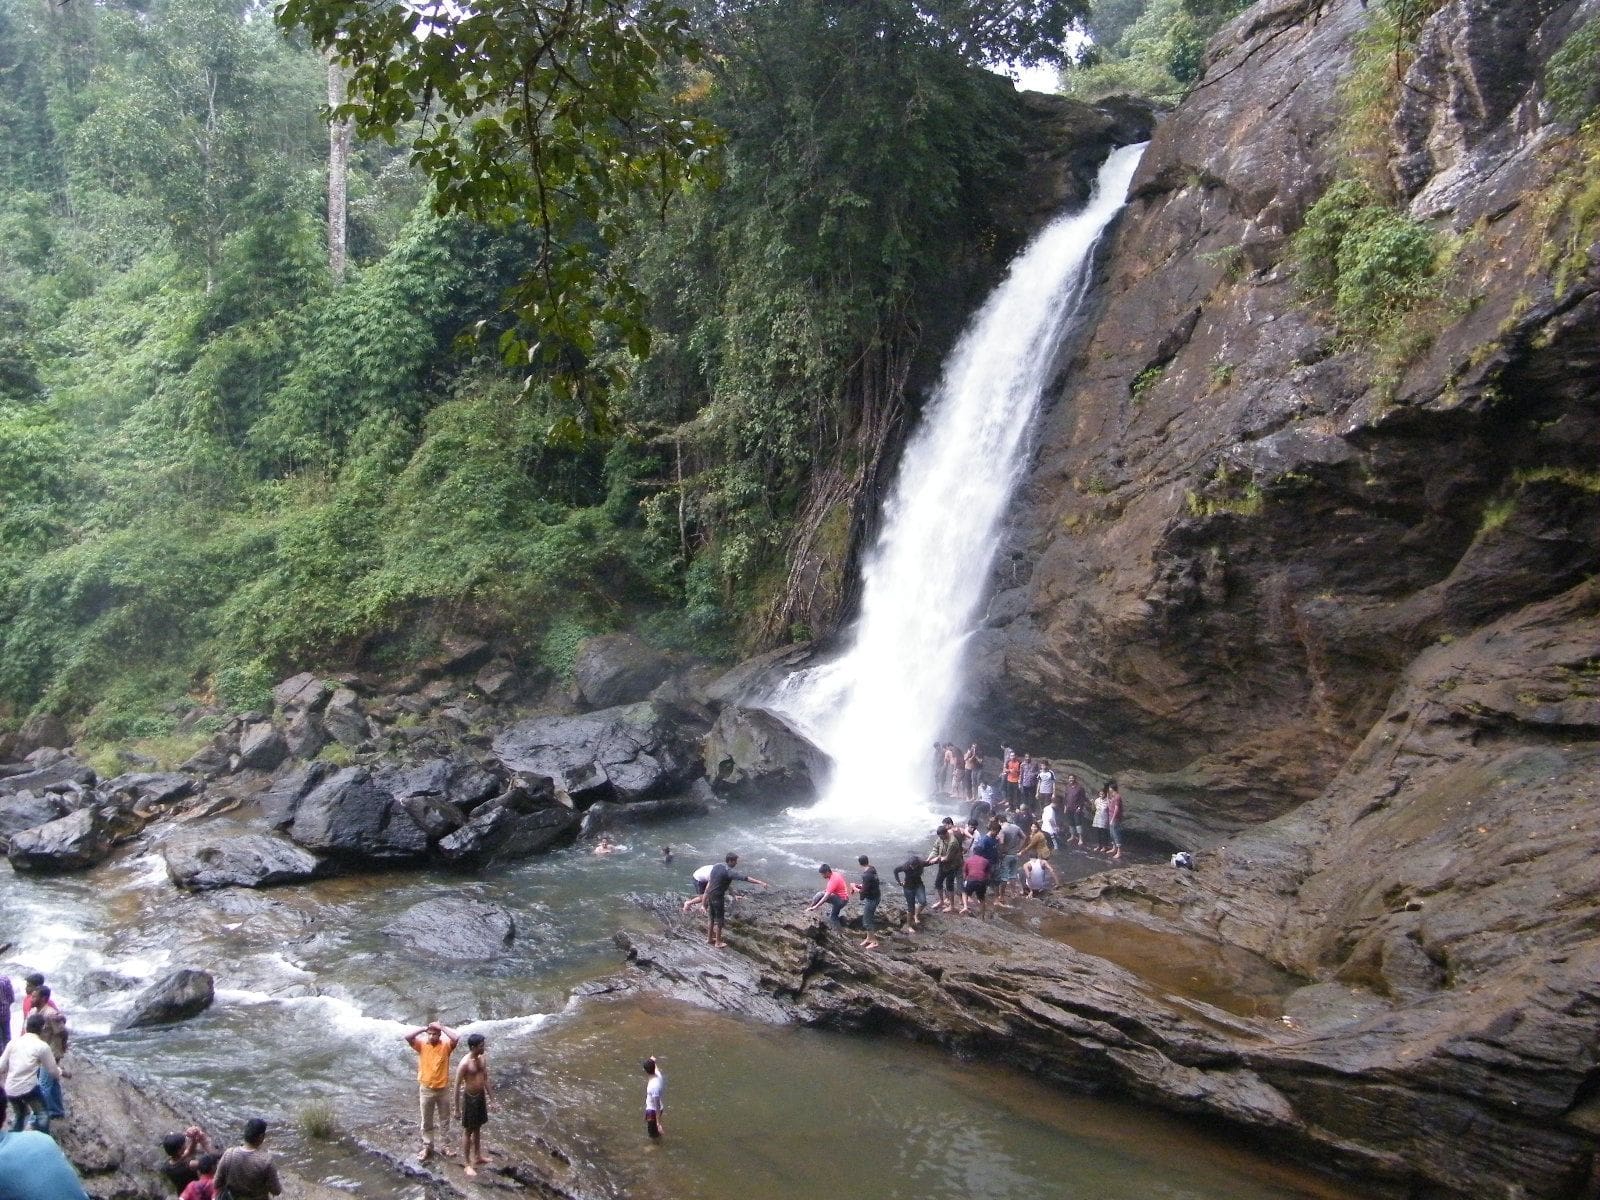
(32, 1167)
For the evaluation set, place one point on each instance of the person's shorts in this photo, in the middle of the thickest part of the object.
(869, 915)
(700, 886)
(474, 1111)
(716, 909)
(976, 887)
(1008, 868)
(915, 896)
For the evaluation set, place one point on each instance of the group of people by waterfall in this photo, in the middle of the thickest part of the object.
(1030, 790)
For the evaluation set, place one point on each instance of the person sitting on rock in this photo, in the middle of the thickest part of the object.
(203, 1188)
(1038, 877)
(183, 1152)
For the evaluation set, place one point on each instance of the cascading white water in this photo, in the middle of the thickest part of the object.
(878, 709)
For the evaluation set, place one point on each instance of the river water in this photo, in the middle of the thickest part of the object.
(313, 999)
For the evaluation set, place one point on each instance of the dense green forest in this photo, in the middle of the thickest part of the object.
(229, 446)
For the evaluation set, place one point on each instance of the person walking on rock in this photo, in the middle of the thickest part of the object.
(55, 1035)
(8, 997)
(1114, 817)
(945, 857)
(870, 889)
(909, 876)
(472, 1103)
(433, 1043)
(716, 896)
(246, 1171)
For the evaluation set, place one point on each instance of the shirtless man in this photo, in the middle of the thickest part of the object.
(472, 1103)
(434, 1043)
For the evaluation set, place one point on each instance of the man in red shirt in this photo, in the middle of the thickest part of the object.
(835, 894)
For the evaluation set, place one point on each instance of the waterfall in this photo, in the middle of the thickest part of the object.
(878, 708)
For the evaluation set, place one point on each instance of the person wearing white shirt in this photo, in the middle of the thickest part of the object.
(20, 1063)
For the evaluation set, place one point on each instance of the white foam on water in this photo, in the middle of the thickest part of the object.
(878, 709)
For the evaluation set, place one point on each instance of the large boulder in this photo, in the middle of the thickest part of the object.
(752, 754)
(454, 927)
(635, 752)
(43, 730)
(345, 719)
(75, 842)
(210, 760)
(349, 816)
(27, 810)
(206, 860)
(262, 747)
(617, 668)
(304, 693)
(752, 679)
(281, 801)
(456, 779)
(60, 772)
(183, 994)
(523, 821)
(305, 736)
(605, 815)
(144, 790)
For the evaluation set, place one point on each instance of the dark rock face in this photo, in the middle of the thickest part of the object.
(148, 789)
(60, 773)
(636, 752)
(523, 821)
(753, 755)
(345, 720)
(75, 842)
(454, 927)
(177, 997)
(229, 858)
(24, 810)
(604, 815)
(302, 693)
(617, 668)
(348, 816)
(42, 730)
(304, 735)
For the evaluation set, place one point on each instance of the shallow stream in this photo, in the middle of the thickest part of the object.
(313, 999)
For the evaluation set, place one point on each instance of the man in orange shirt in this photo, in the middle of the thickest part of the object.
(434, 1043)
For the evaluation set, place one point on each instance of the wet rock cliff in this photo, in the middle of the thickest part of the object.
(1328, 582)
(1317, 564)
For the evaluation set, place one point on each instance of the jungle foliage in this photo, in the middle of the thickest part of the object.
(217, 463)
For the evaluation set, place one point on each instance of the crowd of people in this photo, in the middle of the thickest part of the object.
(1030, 790)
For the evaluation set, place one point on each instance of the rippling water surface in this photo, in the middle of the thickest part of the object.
(313, 999)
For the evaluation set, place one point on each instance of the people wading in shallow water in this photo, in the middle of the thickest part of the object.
(433, 1043)
(472, 1103)
(655, 1098)
(718, 882)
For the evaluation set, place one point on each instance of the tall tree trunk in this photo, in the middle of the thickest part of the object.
(338, 174)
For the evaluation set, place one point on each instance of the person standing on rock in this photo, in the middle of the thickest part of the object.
(870, 889)
(1076, 803)
(30, 984)
(204, 1185)
(909, 876)
(1102, 807)
(1114, 817)
(433, 1043)
(246, 1171)
(655, 1097)
(55, 1036)
(21, 1063)
(1013, 778)
(8, 997)
(835, 894)
(976, 884)
(972, 763)
(946, 857)
(1011, 839)
(472, 1103)
(1028, 778)
(718, 883)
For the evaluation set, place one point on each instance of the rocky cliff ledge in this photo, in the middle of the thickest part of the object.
(1430, 1099)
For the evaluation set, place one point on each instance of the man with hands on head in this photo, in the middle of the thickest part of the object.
(433, 1043)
